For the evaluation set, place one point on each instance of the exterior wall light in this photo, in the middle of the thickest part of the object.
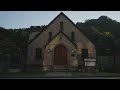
(48, 50)
(73, 51)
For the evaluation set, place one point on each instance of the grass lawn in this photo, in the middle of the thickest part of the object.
(40, 74)
(99, 74)
(22, 75)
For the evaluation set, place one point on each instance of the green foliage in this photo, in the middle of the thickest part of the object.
(13, 40)
(17, 37)
(102, 31)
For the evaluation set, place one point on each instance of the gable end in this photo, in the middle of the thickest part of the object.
(65, 36)
(51, 23)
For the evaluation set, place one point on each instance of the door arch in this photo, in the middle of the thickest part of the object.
(60, 55)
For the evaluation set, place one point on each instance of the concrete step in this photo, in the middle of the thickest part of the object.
(59, 68)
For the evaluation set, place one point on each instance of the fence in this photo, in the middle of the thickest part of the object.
(109, 63)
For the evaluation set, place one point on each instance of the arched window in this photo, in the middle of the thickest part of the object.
(72, 36)
(50, 35)
(61, 26)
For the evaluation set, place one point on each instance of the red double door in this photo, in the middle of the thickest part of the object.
(60, 55)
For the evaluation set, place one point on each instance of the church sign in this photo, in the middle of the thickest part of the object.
(90, 62)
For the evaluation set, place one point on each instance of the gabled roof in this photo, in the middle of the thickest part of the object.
(50, 24)
(46, 27)
(64, 35)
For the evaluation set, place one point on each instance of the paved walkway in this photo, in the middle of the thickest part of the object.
(58, 74)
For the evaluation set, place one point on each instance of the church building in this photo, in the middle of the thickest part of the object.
(60, 45)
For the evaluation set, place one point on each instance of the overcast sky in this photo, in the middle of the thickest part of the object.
(25, 19)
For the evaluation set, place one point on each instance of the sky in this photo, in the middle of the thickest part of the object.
(25, 19)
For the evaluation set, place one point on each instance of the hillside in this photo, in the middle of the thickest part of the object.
(101, 31)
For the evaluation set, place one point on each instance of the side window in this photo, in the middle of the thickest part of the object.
(72, 36)
(84, 53)
(38, 53)
(50, 35)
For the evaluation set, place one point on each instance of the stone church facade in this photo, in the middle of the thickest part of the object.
(60, 44)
